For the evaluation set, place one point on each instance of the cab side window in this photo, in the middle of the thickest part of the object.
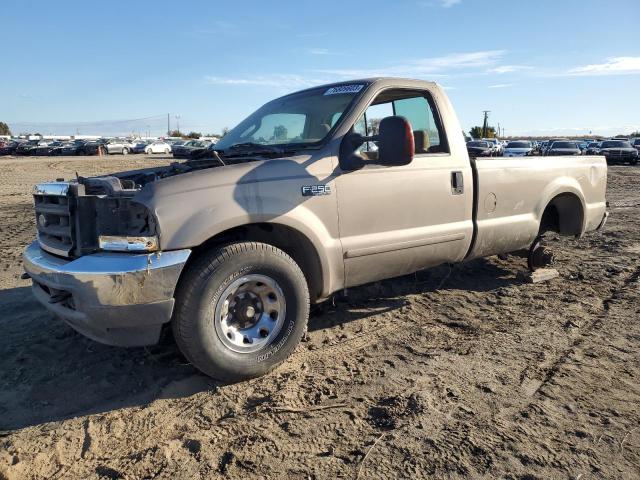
(415, 106)
(419, 112)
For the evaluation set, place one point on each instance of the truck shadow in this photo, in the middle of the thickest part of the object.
(49, 373)
(481, 275)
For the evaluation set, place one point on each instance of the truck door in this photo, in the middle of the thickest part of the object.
(396, 220)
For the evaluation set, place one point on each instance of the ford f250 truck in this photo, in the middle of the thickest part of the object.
(328, 188)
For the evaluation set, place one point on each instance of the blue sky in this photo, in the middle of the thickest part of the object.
(542, 67)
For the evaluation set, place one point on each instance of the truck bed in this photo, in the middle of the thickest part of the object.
(511, 195)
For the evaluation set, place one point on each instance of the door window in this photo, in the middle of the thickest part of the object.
(417, 107)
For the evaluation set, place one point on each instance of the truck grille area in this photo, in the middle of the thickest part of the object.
(54, 219)
(71, 216)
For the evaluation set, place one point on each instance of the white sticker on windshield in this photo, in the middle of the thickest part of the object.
(344, 89)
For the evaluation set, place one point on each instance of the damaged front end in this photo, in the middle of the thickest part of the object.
(90, 214)
(97, 263)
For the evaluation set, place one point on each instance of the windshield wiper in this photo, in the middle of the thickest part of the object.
(252, 148)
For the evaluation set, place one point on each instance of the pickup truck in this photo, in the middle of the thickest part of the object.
(317, 191)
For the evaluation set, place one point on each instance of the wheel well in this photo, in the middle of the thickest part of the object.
(287, 239)
(563, 215)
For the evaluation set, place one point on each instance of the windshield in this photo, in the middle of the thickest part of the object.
(299, 119)
(616, 144)
(563, 145)
(518, 145)
(478, 144)
(593, 145)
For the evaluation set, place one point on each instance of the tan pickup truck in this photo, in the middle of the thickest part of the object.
(323, 189)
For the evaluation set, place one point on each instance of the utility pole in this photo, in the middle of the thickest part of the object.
(485, 123)
(168, 125)
(498, 135)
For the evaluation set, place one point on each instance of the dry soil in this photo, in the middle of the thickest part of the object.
(454, 372)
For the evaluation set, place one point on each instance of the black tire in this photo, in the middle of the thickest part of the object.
(125, 151)
(200, 291)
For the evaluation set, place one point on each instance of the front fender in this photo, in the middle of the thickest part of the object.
(194, 207)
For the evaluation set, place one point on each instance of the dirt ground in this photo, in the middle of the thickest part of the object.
(462, 372)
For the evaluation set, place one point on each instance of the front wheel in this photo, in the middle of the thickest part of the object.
(125, 151)
(241, 310)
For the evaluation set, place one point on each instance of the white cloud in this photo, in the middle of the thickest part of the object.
(501, 85)
(432, 66)
(275, 80)
(508, 68)
(439, 3)
(613, 66)
(319, 51)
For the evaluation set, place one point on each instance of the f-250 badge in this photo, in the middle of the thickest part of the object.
(315, 190)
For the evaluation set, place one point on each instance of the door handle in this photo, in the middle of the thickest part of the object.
(457, 183)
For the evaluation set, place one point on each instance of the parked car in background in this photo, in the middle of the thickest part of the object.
(93, 147)
(76, 147)
(479, 148)
(518, 148)
(593, 149)
(619, 151)
(26, 148)
(139, 146)
(118, 145)
(158, 147)
(495, 145)
(192, 149)
(9, 148)
(47, 148)
(564, 147)
(636, 144)
(582, 145)
(550, 143)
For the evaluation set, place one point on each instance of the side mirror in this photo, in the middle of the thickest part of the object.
(395, 141)
(395, 145)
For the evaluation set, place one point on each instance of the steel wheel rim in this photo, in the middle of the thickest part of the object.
(250, 313)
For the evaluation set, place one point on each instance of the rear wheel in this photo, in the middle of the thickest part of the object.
(241, 310)
(166, 151)
(125, 151)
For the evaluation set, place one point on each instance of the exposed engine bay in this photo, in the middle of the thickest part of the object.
(126, 184)
(98, 208)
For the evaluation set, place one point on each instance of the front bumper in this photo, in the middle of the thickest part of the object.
(119, 299)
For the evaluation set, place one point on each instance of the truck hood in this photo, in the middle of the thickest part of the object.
(191, 207)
